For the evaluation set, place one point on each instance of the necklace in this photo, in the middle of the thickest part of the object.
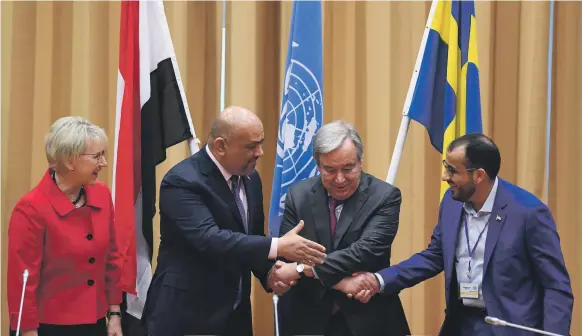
(81, 192)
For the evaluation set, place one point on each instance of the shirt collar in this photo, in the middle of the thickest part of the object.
(60, 202)
(337, 202)
(487, 206)
(224, 172)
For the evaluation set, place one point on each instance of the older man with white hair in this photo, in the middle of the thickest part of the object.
(62, 233)
(355, 216)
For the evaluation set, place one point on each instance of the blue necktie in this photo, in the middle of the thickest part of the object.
(241, 210)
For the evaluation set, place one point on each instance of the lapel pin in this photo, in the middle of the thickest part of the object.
(498, 218)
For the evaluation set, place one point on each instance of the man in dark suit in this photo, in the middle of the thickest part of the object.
(212, 236)
(499, 249)
(355, 216)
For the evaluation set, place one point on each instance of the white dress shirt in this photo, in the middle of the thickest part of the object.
(476, 223)
(243, 197)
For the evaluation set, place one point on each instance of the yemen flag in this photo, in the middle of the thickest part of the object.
(152, 115)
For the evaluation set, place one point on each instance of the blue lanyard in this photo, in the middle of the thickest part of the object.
(469, 249)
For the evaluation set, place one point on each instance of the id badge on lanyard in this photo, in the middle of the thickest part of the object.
(468, 290)
(470, 250)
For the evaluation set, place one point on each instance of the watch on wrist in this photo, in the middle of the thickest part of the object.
(300, 268)
(110, 313)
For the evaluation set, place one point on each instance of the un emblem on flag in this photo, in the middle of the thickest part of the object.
(301, 116)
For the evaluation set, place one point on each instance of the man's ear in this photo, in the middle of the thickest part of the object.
(481, 174)
(220, 145)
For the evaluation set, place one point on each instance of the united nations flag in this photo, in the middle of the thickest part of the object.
(301, 106)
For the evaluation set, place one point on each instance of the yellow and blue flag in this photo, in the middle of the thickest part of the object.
(446, 98)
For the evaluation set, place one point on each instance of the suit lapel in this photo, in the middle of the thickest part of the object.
(349, 211)
(450, 225)
(219, 184)
(250, 201)
(495, 224)
(320, 211)
(216, 180)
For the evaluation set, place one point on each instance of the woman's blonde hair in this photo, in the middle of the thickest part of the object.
(68, 137)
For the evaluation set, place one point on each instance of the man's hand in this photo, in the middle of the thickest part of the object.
(352, 285)
(282, 277)
(296, 248)
(361, 286)
(308, 271)
(374, 285)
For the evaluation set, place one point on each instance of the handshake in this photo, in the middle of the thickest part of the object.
(361, 286)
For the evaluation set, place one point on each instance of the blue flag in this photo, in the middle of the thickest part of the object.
(301, 106)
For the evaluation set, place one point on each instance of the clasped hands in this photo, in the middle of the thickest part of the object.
(282, 277)
(360, 286)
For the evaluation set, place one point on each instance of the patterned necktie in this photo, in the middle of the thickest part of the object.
(332, 217)
(241, 210)
(235, 180)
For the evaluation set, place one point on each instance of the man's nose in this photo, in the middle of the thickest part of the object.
(259, 151)
(445, 176)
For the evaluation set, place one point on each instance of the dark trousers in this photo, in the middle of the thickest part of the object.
(130, 325)
(466, 321)
(472, 322)
(240, 321)
(337, 325)
(96, 329)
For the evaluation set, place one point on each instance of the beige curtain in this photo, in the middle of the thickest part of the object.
(60, 58)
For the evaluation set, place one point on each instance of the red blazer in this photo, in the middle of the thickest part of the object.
(71, 256)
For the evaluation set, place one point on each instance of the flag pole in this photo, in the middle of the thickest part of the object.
(405, 123)
(223, 57)
(549, 106)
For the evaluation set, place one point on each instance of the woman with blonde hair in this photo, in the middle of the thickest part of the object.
(62, 233)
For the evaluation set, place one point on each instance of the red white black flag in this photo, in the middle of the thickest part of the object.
(152, 115)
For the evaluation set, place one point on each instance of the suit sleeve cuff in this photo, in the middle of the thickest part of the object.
(29, 320)
(273, 249)
(114, 296)
(380, 280)
(315, 276)
(314, 273)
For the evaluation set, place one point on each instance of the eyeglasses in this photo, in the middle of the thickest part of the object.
(452, 171)
(96, 156)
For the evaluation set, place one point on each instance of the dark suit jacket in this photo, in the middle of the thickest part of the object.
(204, 250)
(525, 280)
(364, 233)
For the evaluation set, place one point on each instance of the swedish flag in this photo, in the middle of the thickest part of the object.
(446, 98)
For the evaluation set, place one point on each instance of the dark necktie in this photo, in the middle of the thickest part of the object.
(332, 217)
(235, 183)
(235, 180)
